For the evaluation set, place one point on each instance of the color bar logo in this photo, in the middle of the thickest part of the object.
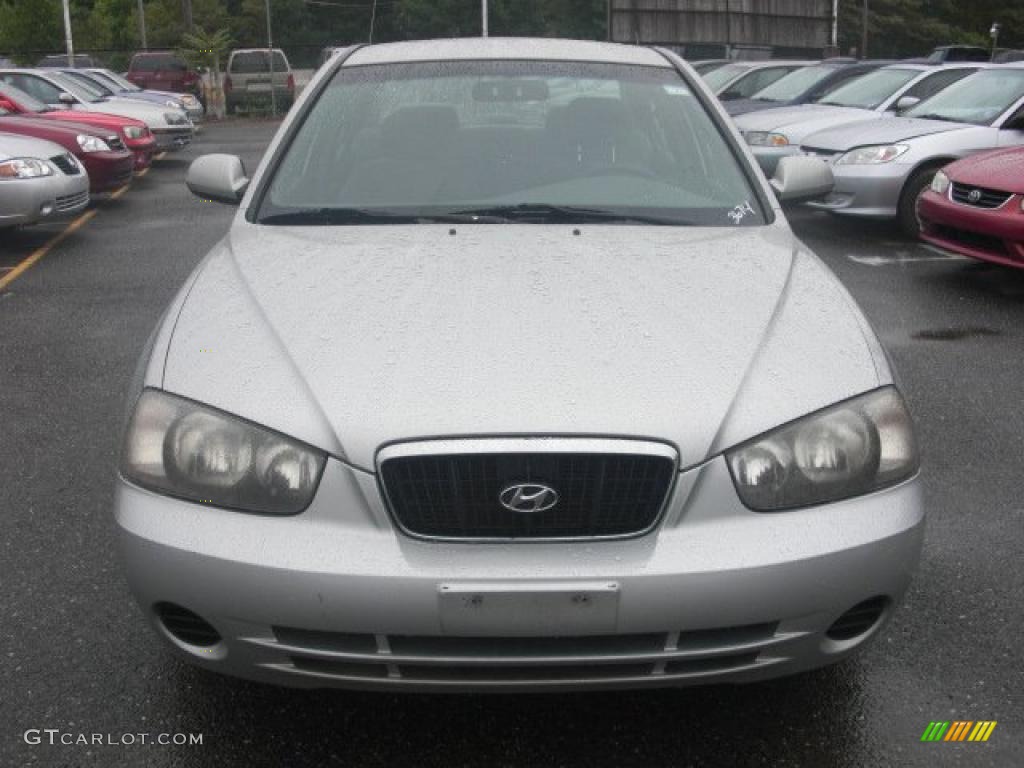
(959, 730)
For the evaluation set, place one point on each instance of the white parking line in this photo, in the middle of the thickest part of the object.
(903, 257)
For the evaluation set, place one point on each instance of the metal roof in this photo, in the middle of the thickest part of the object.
(541, 49)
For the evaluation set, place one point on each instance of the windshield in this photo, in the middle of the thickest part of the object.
(251, 62)
(86, 81)
(870, 90)
(22, 99)
(111, 83)
(978, 99)
(509, 141)
(76, 88)
(794, 84)
(717, 78)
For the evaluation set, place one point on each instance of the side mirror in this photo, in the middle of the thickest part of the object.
(906, 102)
(66, 98)
(218, 177)
(799, 178)
(6, 105)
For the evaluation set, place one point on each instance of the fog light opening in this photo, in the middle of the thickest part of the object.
(858, 620)
(186, 626)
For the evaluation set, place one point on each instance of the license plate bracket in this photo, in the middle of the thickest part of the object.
(509, 609)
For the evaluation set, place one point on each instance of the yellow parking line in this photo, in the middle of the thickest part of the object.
(118, 192)
(44, 249)
(161, 156)
(143, 172)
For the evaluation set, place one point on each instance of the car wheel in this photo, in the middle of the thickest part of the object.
(912, 190)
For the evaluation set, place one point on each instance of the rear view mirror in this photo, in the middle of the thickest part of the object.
(906, 102)
(218, 177)
(66, 98)
(799, 178)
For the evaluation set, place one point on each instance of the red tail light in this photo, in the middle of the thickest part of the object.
(227, 83)
(291, 83)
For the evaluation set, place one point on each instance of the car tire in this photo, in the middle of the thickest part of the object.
(918, 182)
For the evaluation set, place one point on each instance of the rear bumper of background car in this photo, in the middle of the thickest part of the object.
(336, 597)
(990, 235)
(28, 201)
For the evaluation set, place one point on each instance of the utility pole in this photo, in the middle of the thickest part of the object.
(373, 18)
(186, 15)
(608, 19)
(835, 26)
(865, 11)
(142, 24)
(483, 16)
(270, 59)
(68, 42)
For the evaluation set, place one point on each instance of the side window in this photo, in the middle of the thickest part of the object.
(932, 84)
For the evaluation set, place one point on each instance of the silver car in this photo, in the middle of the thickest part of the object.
(170, 126)
(775, 133)
(510, 375)
(39, 181)
(881, 167)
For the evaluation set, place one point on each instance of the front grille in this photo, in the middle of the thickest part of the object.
(115, 143)
(67, 164)
(525, 660)
(974, 240)
(824, 154)
(67, 203)
(457, 495)
(979, 197)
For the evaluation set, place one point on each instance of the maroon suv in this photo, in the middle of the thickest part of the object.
(163, 71)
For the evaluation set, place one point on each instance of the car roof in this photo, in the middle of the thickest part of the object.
(762, 63)
(475, 48)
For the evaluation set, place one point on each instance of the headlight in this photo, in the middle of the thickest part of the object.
(765, 139)
(24, 168)
(883, 153)
(173, 103)
(135, 131)
(175, 118)
(92, 144)
(850, 449)
(940, 183)
(180, 448)
(189, 100)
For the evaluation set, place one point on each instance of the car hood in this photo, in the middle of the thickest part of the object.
(12, 145)
(151, 114)
(353, 337)
(1002, 169)
(802, 120)
(52, 129)
(867, 132)
(744, 106)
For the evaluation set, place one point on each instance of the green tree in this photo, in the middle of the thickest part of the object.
(28, 29)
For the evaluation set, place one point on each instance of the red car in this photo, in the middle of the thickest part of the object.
(134, 133)
(162, 71)
(104, 155)
(976, 207)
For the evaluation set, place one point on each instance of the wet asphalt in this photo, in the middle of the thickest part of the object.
(76, 656)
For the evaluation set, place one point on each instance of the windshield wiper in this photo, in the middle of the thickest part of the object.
(564, 214)
(335, 216)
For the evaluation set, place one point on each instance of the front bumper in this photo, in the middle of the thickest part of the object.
(335, 597)
(108, 170)
(173, 139)
(995, 235)
(867, 191)
(768, 157)
(28, 201)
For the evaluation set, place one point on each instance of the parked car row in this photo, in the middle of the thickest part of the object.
(68, 134)
(889, 132)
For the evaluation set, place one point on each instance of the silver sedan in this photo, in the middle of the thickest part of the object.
(881, 167)
(526, 386)
(39, 180)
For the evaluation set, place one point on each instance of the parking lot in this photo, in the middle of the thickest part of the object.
(78, 657)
